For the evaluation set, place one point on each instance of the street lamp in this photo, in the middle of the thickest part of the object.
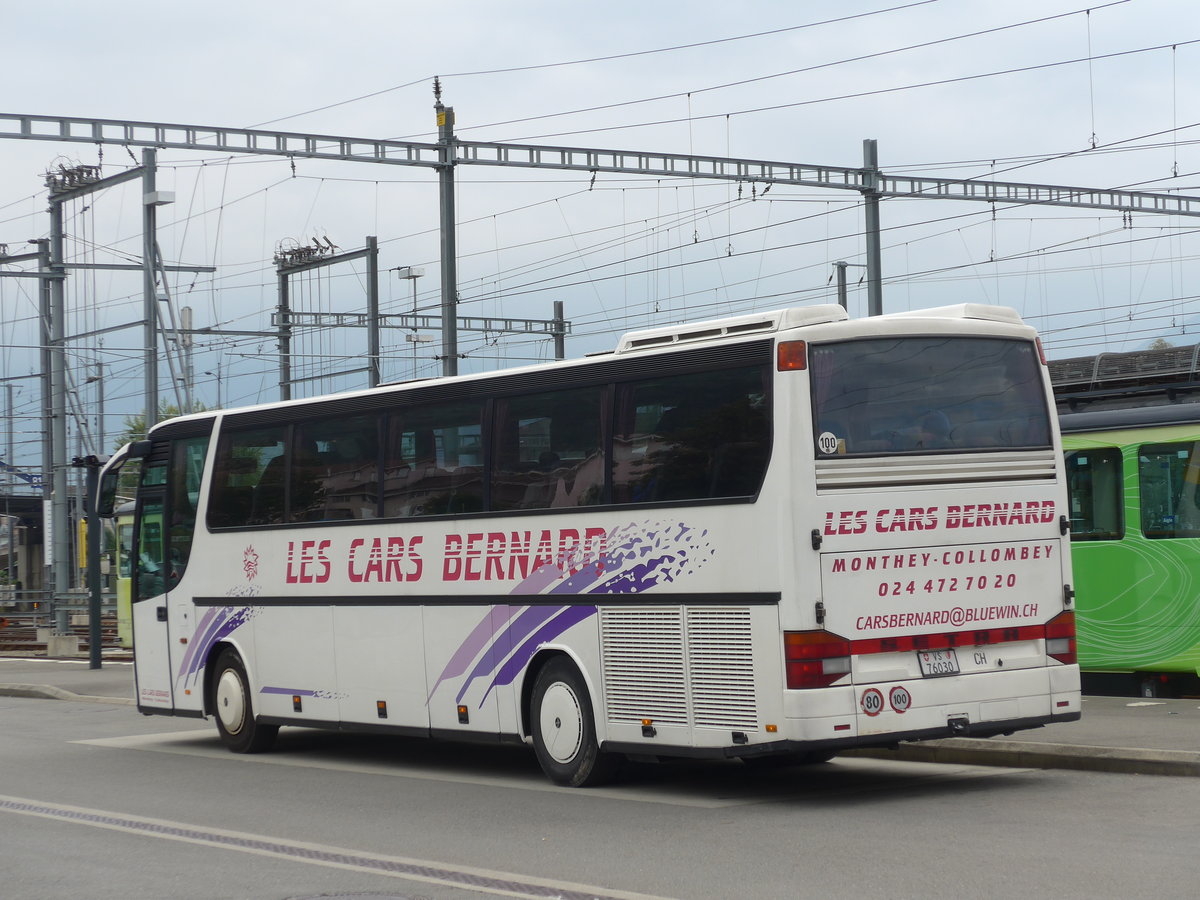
(412, 273)
(218, 376)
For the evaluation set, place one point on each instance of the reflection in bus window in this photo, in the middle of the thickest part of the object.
(1169, 475)
(434, 460)
(689, 437)
(152, 550)
(249, 480)
(1095, 489)
(187, 468)
(335, 470)
(885, 396)
(548, 451)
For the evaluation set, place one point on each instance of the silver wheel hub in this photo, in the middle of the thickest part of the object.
(231, 701)
(561, 722)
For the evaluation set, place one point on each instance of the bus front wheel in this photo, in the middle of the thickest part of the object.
(564, 729)
(234, 708)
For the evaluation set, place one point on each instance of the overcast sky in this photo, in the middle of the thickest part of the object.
(1029, 90)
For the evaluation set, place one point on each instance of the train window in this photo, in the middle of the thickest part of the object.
(1169, 475)
(1094, 484)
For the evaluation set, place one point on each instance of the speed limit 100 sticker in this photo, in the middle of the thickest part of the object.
(872, 702)
(900, 698)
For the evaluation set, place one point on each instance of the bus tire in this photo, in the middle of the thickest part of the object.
(564, 728)
(234, 709)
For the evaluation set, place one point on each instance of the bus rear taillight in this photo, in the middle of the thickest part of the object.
(814, 659)
(1060, 638)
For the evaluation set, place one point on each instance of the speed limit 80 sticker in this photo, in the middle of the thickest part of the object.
(872, 701)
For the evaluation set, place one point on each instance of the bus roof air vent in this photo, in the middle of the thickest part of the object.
(964, 311)
(736, 326)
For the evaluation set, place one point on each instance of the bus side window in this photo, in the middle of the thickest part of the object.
(187, 467)
(243, 491)
(690, 437)
(152, 554)
(1094, 484)
(433, 463)
(335, 469)
(547, 450)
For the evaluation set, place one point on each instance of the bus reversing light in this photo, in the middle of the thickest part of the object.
(814, 659)
(1060, 638)
(793, 356)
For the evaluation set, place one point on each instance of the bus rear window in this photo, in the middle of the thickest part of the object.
(899, 395)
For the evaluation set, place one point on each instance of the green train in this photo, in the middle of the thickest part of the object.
(1134, 482)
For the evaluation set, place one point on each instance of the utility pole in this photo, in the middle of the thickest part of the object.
(842, 293)
(560, 331)
(149, 294)
(411, 274)
(187, 341)
(373, 311)
(59, 537)
(446, 142)
(284, 321)
(870, 194)
(43, 252)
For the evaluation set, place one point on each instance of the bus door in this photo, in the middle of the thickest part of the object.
(163, 612)
(151, 558)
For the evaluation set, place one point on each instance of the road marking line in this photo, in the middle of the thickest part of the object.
(488, 880)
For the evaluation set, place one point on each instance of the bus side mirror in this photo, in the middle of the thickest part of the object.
(106, 499)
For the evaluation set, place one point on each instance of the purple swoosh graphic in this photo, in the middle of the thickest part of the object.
(572, 615)
(493, 620)
(225, 623)
(520, 628)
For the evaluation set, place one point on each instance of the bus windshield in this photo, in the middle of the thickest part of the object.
(904, 395)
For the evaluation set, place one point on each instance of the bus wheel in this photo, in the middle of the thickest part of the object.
(234, 710)
(564, 729)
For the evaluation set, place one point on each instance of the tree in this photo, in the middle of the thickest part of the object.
(1160, 344)
(134, 427)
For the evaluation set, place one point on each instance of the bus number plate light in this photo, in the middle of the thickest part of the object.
(938, 662)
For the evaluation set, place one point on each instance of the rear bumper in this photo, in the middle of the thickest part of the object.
(889, 713)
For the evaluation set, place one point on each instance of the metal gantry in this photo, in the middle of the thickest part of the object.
(450, 151)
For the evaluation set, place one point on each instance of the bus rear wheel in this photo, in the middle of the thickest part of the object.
(564, 728)
(234, 708)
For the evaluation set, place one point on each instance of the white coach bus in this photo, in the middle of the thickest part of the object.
(783, 533)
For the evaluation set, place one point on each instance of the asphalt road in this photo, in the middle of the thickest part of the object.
(98, 802)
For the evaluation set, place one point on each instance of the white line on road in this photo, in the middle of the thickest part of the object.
(487, 880)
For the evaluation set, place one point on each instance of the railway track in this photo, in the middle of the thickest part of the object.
(19, 635)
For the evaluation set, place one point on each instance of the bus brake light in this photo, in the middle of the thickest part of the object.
(1060, 638)
(793, 356)
(814, 659)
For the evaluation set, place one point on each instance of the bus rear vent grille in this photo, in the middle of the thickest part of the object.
(654, 658)
(905, 471)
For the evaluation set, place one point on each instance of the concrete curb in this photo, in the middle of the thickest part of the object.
(1030, 755)
(49, 692)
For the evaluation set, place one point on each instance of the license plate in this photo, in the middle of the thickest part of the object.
(938, 662)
